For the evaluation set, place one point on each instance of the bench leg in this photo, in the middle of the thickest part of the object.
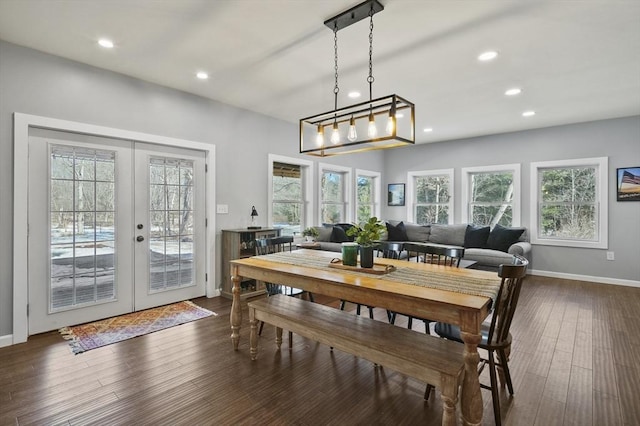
(253, 336)
(449, 397)
(278, 337)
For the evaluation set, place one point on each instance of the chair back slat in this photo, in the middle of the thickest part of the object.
(273, 245)
(441, 255)
(390, 250)
(512, 277)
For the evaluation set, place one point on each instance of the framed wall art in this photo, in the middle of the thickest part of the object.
(628, 184)
(395, 195)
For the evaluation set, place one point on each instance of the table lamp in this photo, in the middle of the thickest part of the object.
(254, 221)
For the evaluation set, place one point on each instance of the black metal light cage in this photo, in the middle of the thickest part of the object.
(403, 130)
(352, 123)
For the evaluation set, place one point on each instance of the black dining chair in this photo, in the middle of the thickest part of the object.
(275, 245)
(440, 255)
(496, 339)
(388, 250)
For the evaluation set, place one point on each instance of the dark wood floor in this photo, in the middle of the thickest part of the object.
(564, 364)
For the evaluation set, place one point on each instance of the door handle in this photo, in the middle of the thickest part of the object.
(139, 238)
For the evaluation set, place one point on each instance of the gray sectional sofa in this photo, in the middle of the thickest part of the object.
(489, 248)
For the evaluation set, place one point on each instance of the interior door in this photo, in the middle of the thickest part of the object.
(170, 225)
(80, 229)
(114, 226)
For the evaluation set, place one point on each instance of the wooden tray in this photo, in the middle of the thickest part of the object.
(378, 268)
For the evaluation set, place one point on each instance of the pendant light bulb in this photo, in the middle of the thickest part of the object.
(391, 122)
(352, 135)
(335, 134)
(372, 132)
(320, 136)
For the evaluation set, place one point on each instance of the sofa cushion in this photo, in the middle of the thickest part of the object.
(448, 234)
(476, 236)
(397, 232)
(346, 227)
(502, 237)
(417, 232)
(488, 257)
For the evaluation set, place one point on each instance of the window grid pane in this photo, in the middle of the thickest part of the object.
(432, 197)
(287, 202)
(171, 209)
(332, 209)
(491, 198)
(82, 226)
(568, 208)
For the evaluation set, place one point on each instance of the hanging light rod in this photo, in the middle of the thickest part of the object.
(353, 15)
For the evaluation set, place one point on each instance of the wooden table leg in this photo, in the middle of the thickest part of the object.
(236, 312)
(471, 398)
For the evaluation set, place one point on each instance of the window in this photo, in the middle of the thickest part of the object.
(491, 195)
(431, 195)
(367, 195)
(569, 202)
(289, 194)
(334, 194)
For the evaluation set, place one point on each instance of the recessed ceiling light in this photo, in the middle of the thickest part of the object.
(428, 130)
(487, 56)
(513, 92)
(106, 43)
(354, 94)
(202, 75)
(528, 113)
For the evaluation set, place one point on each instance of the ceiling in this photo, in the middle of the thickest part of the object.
(575, 61)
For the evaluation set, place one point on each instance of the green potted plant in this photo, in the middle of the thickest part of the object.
(367, 235)
(310, 233)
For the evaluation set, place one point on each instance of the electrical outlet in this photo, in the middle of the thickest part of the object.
(222, 208)
(610, 256)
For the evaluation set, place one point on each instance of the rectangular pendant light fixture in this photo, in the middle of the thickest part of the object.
(381, 123)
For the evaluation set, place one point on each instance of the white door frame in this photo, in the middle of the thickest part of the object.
(21, 125)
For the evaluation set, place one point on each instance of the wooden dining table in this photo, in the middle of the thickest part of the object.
(441, 293)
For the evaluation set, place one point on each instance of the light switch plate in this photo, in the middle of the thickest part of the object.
(222, 208)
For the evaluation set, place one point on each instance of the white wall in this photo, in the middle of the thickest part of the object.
(40, 84)
(617, 139)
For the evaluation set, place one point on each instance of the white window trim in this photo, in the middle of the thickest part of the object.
(602, 196)
(411, 190)
(306, 172)
(377, 191)
(348, 191)
(517, 189)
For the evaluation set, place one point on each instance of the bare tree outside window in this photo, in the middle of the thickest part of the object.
(568, 207)
(332, 207)
(491, 198)
(432, 198)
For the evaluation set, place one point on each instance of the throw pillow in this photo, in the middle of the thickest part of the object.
(448, 234)
(325, 233)
(397, 232)
(338, 235)
(501, 237)
(346, 227)
(476, 236)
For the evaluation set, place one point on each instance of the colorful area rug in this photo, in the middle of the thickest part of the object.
(93, 335)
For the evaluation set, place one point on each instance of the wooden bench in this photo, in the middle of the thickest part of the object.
(431, 359)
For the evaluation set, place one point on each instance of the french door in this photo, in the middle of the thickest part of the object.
(114, 226)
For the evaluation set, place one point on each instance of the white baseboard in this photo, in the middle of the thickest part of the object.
(6, 340)
(576, 277)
